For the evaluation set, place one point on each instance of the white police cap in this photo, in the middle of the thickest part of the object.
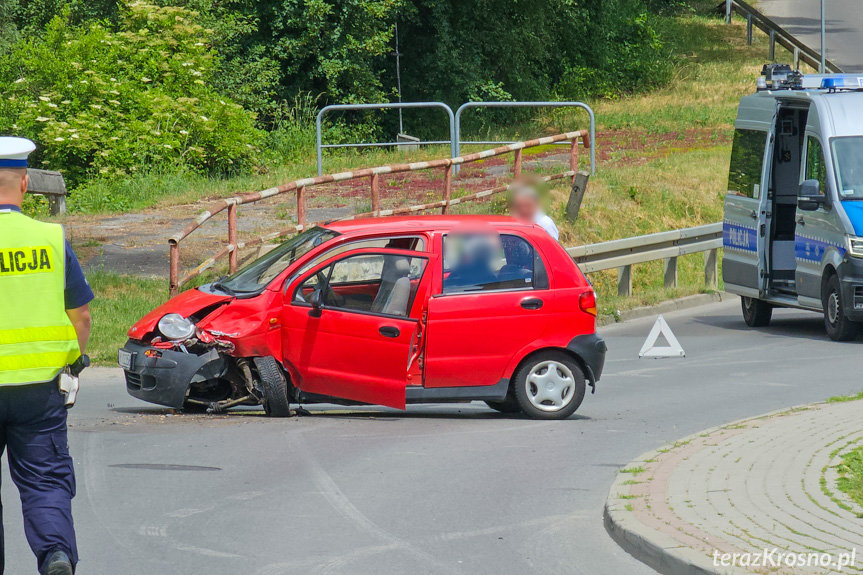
(14, 152)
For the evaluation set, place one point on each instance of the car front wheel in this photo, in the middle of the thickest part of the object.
(274, 386)
(550, 385)
(839, 327)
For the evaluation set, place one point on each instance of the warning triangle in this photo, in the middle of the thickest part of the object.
(660, 328)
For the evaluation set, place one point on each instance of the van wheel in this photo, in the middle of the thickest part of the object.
(756, 313)
(839, 327)
(550, 385)
(275, 387)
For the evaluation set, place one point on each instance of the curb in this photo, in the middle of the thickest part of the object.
(657, 550)
(681, 304)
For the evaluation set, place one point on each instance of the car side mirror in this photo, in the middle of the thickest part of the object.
(317, 301)
(810, 197)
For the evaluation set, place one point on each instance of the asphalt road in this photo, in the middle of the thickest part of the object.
(803, 19)
(438, 489)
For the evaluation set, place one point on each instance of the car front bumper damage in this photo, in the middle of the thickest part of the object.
(163, 376)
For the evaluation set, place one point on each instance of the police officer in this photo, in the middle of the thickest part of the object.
(44, 326)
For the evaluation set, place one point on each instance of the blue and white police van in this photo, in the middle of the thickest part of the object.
(793, 224)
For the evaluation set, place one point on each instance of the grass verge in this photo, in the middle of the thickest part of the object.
(850, 471)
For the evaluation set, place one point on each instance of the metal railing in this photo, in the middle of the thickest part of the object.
(373, 175)
(777, 35)
(395, 106)
(455, 140)
(666, 246)
(459, 143)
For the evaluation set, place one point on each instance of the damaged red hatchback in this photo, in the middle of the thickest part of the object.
(386, 311)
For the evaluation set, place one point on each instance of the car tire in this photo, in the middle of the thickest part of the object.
(508, 405)
(756, 313)
(839, 327)
(549, 385)
(274, 386)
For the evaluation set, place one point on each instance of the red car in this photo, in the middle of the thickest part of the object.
(386, 311)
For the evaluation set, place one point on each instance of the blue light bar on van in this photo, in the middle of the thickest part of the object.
(842, 82)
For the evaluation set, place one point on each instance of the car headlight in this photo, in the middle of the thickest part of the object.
(854, 245)
(176, 327)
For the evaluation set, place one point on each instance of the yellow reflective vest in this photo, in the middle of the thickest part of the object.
(37, 339)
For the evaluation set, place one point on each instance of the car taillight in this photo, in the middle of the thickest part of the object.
(587, 302)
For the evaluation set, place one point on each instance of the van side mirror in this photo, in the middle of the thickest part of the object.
(810, 197)
(317, 301)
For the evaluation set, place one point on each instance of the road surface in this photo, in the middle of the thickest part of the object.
(803, 19)
(444, 490)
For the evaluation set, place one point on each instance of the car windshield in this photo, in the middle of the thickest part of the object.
(848, 157)
(255, 276)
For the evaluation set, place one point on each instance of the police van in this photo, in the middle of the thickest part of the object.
(793, 223)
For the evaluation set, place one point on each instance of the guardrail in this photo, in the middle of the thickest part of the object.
(373, 175)
(666, 246)
(777, 35)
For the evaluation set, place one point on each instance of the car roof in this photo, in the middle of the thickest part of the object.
(422, 223)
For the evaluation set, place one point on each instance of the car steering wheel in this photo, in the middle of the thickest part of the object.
(330, 296)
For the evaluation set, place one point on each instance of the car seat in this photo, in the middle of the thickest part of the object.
(395, 291)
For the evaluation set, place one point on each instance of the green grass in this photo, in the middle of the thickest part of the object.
(120, 302)
(845, 398)
(851, 475)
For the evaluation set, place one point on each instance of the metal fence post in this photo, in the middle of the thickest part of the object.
(573, 158)
(728, 11)
(301, 206)
(447, 191)
(376, 193)
(516, 166)
(796, 58)
(711, 269)
(624, 280)
(772, 50)
(174, 270)
(669, 272)
(749, 29)
(233, 237)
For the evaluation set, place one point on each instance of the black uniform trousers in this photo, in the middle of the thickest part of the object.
(33, 430)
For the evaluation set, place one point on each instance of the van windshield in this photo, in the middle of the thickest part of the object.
(848, 158)
(255, 276)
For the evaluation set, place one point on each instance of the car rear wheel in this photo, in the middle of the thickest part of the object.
(756, 313)
(839, 327)
(550, 385)
(274, 386)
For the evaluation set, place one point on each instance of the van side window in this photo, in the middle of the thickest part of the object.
(747, 160)
(816, 169)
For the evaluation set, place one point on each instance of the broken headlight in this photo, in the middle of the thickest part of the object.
(175, 327)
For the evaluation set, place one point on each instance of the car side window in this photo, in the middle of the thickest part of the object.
(816, 169)
(370, 283)
(412, 243)
(747, 161)
(483, 262)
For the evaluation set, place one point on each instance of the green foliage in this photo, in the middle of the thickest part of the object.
(103, 102)
(851, 475)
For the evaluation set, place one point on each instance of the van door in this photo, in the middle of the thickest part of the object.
(744, 224)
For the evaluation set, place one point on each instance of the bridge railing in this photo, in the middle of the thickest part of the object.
(372, 175)
(777, 35)
(666, 246)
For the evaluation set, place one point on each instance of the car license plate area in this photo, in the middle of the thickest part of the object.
(124, 358)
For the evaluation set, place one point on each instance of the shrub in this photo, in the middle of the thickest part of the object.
(107, 102)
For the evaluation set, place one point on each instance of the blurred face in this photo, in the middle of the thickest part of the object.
(524, 207)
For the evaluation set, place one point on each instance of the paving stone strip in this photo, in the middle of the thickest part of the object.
(758, 484)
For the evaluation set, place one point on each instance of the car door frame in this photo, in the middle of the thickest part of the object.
(744, 227)
(343, 384)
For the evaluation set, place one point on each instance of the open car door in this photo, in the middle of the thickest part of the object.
(348, 324)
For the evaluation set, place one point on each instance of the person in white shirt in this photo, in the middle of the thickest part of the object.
(524, 204)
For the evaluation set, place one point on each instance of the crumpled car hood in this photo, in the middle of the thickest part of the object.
(185, 304)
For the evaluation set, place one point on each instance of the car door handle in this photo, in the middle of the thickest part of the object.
(389, 331)
(531, 303)
(801, 221)
(753, 214)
